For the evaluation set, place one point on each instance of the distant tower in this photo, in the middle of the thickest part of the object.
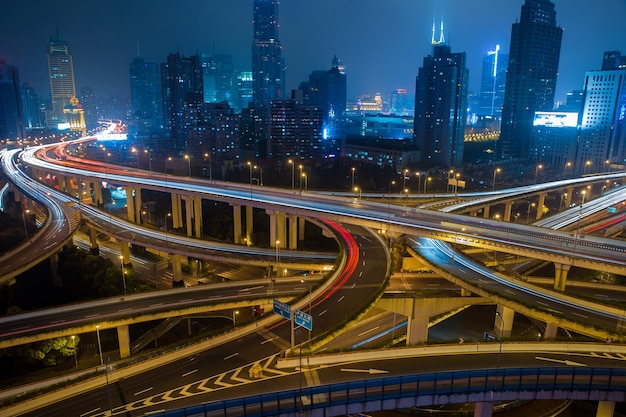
(32, 108)
(328, 90)
(11, 112)
(145, 93)
(268, 67)
(441, 105)
(602, 125)
(90, 107)
(62, 86)
(531, 78)
(493, 82)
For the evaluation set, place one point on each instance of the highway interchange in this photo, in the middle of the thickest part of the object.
(368, 264)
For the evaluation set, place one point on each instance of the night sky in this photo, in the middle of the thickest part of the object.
(381, 42)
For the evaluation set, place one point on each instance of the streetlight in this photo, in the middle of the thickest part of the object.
(404, 178)
(540, 166)
(99, 343)
(292, 173)
(580, 211)
(419, 181)
(136, 152)
(495, 171)
(392, 183)
(235, 312)
(188, 158)
(149, 159)
(74, 345)
(300, 167)
(207, 155)
(357, 189)
(123, 274)
(24, 220)
(261, 176)
(353, 169)
(277, 257)
(250, 166)
(306, 182)
(528, 211)
(587, 164)
(426, 180)
(500, 350)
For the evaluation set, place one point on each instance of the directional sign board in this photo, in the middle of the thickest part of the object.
(282, 309)
(611, 210)
(303, 319)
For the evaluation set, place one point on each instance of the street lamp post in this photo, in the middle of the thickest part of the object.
(419, 181)
(208, 155)
(567, 165)
(500, 350)
(293, 166)
(188, 158)
(306, 182)
(277, 257)
(149, 159)
(99, 344)
(74, 345)
(580, 212)
(123, 274)
(235, 312)
(528, 211)
(358, 190)
(404, 177)
(426, 180)
(24, 221)
(353, 170)
(300, 167)
(540, 166)
(495, 171)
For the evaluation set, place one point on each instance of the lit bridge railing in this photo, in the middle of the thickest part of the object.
(575, 383)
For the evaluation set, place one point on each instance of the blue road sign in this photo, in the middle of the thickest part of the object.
(303, 319)
(282, 309)
(612, 210)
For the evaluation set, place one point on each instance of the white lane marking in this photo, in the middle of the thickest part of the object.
(367, 331)
(267, 340)
(231, 356)
(144, 391)
(340, 299)
(322, 313)
(90, 412)
(353, 285)
(189, 373)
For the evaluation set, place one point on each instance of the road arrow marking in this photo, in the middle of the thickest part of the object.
(366, 371)
(566, 362)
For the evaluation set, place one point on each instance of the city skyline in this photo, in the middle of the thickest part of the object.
(369, 38)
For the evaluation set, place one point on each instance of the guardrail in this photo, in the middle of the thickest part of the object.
(598, 384)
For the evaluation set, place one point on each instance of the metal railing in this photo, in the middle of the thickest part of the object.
(423, 389)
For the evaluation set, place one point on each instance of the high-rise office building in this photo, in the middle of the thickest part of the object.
(493, 82)
(11, 113)
(531, 77)
(244, 91)
(62, 86)
(90, 107)
(32, 108)
(218, 76)
(328, 90)
(441, 105)
(602, 130)
(268, 67)
(295, 129)
(145, 92)
(181, 87)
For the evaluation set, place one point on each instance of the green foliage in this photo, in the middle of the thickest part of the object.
(49, 352)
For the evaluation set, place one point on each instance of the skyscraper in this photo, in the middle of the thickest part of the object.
(531, 78)
(145, 92)
(218, 78)
(32, 108)
(602, 129)
(328, 90)
(268, 67)
(441, 105)
(61, 73)
(11, 113)
(493, 82)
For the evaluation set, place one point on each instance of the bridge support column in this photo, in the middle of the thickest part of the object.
(417, 329)
(483, 409)
(188, 214)
(62, 181)
(540, 203)
(465, 293)
(486, 212)
(197, 215)
(507, 210)
(560, 276)
(177, 211)
(249, 224)
(54, 268)
(293, 232)
(123, 338)
(93, 242)
(569, 191)
(605, 409)
(177, 270)
(550, 331)
(236, 223)
(130, 204)
(97, 194)
(505, 326)
(277, 229)
(301, 228)
(125, 251)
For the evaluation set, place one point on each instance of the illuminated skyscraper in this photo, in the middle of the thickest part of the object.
(441, 105)
(32, 108)
(61, 73)
(531, 78)
(602, 125)
(328, 90)
(218, 78)
(11, 113)
(145, 92)
(493, 82)
(268, 67)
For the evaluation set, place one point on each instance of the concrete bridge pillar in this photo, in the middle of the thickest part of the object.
(125, 251)
(188, 214)
(97, 194)
(54, 268)
(177, 270)
(503, 325)
(605, 409)
(560, 276)
(197, 216)
(540, 203)
(93, 242)
(301, 228)
(568, 200)
(130, 204)
(465, 293)
(236, 223)
(486, 212)
(177, 211)
(417, 329)
(293, 232)
(249, 224)
(277, 228)
(507, 210)
(550, 331)
(62, 181)
(473, 213)
(123, 338)
(483, 409)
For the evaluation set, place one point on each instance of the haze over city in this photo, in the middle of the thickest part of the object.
(381, 44)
